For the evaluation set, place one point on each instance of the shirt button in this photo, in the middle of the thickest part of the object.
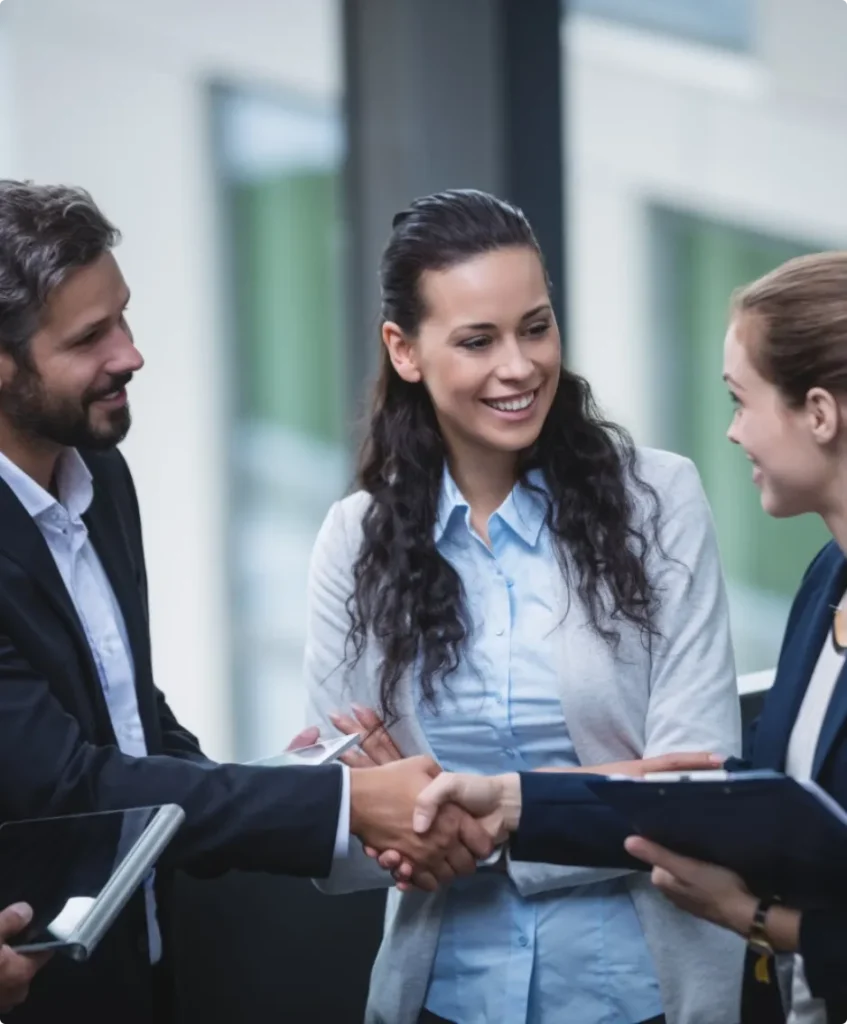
(509, 752)
(510, 583)
(498, 699)
(523, 941)
(500, 631)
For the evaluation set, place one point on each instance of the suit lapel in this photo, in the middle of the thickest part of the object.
(796, 666)
(106, 530)
(21, 542)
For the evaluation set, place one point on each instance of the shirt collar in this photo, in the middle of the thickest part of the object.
(524, 511)
(73, 483)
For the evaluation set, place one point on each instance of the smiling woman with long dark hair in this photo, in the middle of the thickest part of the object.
(515, 585)
(538, 415)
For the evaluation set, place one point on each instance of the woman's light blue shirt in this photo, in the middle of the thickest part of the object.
(573, 956)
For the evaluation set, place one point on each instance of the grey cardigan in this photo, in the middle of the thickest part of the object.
(618, 706)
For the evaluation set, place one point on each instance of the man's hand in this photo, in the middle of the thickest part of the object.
(494, 800)
(16, 969)
(383, 802)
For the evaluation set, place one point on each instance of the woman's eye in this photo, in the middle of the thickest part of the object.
(539, 329)
(475, 344)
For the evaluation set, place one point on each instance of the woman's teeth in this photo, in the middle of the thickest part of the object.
(511, 404)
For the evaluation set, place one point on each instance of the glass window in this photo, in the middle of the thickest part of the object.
(727, 23)
(280, 189)
(701, 262)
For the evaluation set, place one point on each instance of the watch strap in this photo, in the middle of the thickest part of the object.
(757, 937)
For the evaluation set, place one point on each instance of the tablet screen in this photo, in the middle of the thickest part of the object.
(60, 865)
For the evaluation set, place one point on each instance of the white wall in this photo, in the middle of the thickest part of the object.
(757, 140)
(111, 95)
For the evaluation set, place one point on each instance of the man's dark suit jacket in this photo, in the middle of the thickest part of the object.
(59, 754)
(562, 822)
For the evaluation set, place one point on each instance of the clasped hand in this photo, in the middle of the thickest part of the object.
(383, 803)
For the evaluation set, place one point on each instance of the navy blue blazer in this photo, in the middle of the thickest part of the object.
(823, 933)
(563, 823)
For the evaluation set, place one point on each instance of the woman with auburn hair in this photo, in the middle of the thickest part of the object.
(516, 585)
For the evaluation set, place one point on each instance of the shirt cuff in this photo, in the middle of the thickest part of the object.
(494, 858)
(342, 836)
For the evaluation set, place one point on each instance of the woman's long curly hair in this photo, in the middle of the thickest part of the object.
(406, 596)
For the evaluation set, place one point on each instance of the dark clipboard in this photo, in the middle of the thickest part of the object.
(785, 838)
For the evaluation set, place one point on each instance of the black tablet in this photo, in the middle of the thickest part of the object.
(78, 872)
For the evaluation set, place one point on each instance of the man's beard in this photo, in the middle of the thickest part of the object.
(64, 421)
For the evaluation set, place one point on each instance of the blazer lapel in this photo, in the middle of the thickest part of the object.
(797, 664)
(836, 712)
(21, 542)
(105, 528)
(836, 715)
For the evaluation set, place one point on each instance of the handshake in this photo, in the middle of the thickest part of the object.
(429, 827)
(426, 826)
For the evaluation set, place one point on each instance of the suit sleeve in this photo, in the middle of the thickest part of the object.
(693, 704)
(562, 822)
(330, 683)
(177, 741)
(280, 820)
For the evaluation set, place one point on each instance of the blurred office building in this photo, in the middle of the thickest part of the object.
(703, 149)
(252, 154)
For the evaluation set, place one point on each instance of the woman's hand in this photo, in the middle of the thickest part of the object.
(715, 894)
(377, 745)
(705, 890)
(307, 738)
(685, 762)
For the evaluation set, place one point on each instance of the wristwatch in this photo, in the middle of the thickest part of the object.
(757, 938)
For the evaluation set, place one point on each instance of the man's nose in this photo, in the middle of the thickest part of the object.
(125, 357)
